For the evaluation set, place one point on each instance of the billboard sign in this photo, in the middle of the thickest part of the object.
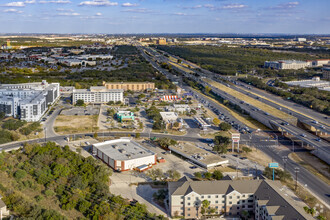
(273, 165)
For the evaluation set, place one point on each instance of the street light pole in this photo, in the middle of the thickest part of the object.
(296, 170)
(45, 134)
(284, 158)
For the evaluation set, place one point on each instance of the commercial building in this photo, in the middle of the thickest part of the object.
(133, 86)
(198, 155)
(314, 82)
(76, 62)
(202, 124)
(170, 118)
(287, 64)
(4, 212)
(326, 72)
(97, 94)
(125, 116)
(124, 154)
(28, 101)
(265, 198)
(161, 41)
(181, 108)
(169, 98)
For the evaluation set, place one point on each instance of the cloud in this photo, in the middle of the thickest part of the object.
(64, 9)
(30, 1)
(138, 10)
(284, 6)
(55, 1)
(98, 14)
(12, 10)
(180, 14)
(68, 14)
(15, 4)
(98, 3)
(127, 4)
(234, 6)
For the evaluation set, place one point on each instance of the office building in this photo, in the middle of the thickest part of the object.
(28, 101)
(326, 72)
(314, 82)
(170, 118)
(125, 116)
(287, 64)
(124, 154)
(265, 198)
(161, 41)
(97, 94)
(133, 86)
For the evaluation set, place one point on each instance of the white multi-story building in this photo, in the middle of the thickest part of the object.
(287, 64)
(27, 101)
(97, 94)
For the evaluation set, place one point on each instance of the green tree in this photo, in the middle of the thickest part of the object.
(198, 175)
(20, 174)
(207, 89)
(173, 174)
(246, 149)
(208, 175)
(217, 175)
(137, 135)
(80, 102)
(224, 126)
(205, 206)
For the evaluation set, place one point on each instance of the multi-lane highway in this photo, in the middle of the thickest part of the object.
(318, 187)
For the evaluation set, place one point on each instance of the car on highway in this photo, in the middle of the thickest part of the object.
(209, 140)
(193, 167)
(303, 135)
(315, 122)
(318, 139)
(284, 123)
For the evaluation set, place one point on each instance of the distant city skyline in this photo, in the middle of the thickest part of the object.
(165, 16)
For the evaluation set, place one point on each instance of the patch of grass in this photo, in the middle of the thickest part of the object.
(312, 165)
(75, 124)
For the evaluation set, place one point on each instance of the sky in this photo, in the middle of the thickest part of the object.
(165, 16)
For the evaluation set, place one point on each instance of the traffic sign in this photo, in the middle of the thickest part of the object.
(273, 165)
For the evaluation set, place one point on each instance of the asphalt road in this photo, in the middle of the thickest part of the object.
(307, 179)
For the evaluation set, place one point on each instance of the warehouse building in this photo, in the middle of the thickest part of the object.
(124, 154)
(27, 101)
(97, 94)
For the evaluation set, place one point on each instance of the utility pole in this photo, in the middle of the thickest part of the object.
(237, 169)
(296, 170)
(284, 158)
(292, 145)
(45, 134)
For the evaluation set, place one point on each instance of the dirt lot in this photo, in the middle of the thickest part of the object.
(75, 124)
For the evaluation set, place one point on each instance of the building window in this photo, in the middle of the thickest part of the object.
(216, 201)
(188, 214)
(209, 197)
(188, 198)
(188, 203)
(188, 209)
(223, 196)
(216, 196)
(237, 208)
(230, 197)
(216, 207)
(238, 197)
(181, 202)
(230, 203)
(250, 200)
(202, 197)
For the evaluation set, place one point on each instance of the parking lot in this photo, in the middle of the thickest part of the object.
(88, 110)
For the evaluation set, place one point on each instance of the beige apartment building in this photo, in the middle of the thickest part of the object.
(133, 86)
(264, 199)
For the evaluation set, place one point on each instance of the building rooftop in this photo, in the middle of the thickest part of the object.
(123, 149)
(169, 116)
(198, 153)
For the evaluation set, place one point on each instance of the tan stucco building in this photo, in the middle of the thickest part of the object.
(264, 199)
(133, 86)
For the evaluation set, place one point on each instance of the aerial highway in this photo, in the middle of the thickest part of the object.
(306, 179)
(322, 149)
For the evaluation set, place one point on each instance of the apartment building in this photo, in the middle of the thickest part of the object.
(97, 94)
(27, 101)
(133, 86)
(264, 198)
